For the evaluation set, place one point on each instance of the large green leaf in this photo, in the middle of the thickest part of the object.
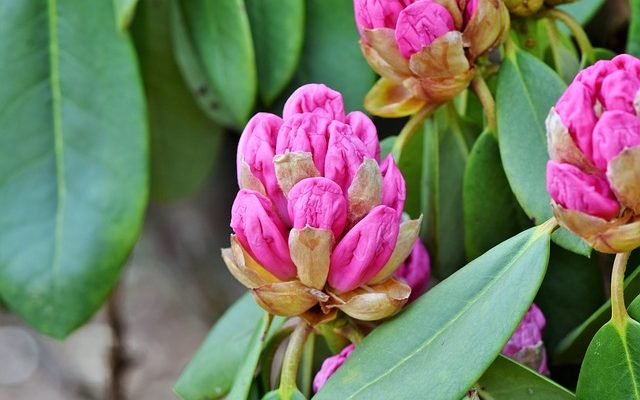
(611, 367)
(634, 309)
(574, 346)
(583, 10)
(124, 12)
(444, 156)
(633, 39)
(527, 88)
(184, 142)
(490, 210)
(443, 342)
(278, 33)
(331, 54)
(222, 39)
(211, 372)
(411, 164)
(73, 175)
(508, 380)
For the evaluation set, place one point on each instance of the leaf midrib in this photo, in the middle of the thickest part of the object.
(627, 356)
(534, 237)
(58, 139)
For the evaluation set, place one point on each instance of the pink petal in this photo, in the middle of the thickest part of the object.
(528, 334)
(470, 10)
(420, 24)
(614, 132)
(619, 91)
(577, 190)
(315, 98)
(262, 233)
(365, 130)
(371, 14)
(364, 249)
(394, 191)
(592, 77)
(305, 132)
(331, 365)
(416, 270)
(575, 108)
(344, 155)
(627, 63)
(318, 203)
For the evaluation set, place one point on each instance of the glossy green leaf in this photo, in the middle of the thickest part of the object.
(563, 54)
(210, 374)
(583, 10)
(124, 12)
(222, 39)
(277, 27)
(193, 70)
(634, 309)
(411, 164)
(385, 146)
(508, 380)
(73, 175)
(331, 54)
(456, 329)
(527, 88)
(184, 142)
(633, 39)
(490, 209)
(574, 346)
(445, 153)
(571, 291)
(611, 367)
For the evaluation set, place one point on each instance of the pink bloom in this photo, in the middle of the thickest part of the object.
(305, 132)
(331, 365)
(619, 91)
(577, 190)
(394, 191)
(315, 98)
(416, 270)
(575, 108)
(262, 233)
(614, 132)
(318, 203)
(526, 344)
(344, 155)
(365, 130)
(420, 24)
(364, 249)
(371, 14)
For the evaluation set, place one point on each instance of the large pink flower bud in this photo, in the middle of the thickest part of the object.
(526, 346)
(416, 270)
(330, 366)
(318, 222)
(425, 50)
(594, 143)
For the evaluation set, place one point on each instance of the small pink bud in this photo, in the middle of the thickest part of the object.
(344, 155)
(577, 190)
(416, 270)
(526, 344)
(614, 132)
(318, 203)
(365, 130)
(315, 98)
(262, 233)
(364, 249)
(619, 91)
(627, 63)
(305, 132)
(469, 10)
(331, 365)
(371, 14)
(420, 24)
(593, 76)
(394, 191)
(575, 108)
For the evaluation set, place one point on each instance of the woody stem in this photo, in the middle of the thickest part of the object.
(486, 99)
(576, 30)
(292, 360)
(410, 129)
(618, 307)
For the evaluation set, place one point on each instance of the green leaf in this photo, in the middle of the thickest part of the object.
(498, 287)
(331, 53)
(184, 142)
(583, 10)
(611, 367)
(278, 34)
(634, 309)
(124, 12)
(527, 88)
(193, 70)
(210, 374)
(444, 157)
(563, 54)
(222, 40)
(508, 380)
(73, 176)
(571, 291)
(574, 346)
(385, 147)
(490, 209)
(411, 164)
(633, 39)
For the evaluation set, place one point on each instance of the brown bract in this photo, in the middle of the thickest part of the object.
(623, 173)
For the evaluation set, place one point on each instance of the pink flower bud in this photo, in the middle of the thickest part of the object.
(469, 10)
(331, 365)
(371, 14)
(262, 233)
(627, 63)
(318, 203)
(344, 155)
(364, 249)
(256, 148)
(315, 98)
(575, 108)
(577, 190)
(305, 132)
(420, 24)
(593, 76)
(365, 130)
(394, 191)
(416, 270)
(614, 132)
(619, 91)
(526, 344)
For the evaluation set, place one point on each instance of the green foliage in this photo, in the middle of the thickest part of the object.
(633, 43)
